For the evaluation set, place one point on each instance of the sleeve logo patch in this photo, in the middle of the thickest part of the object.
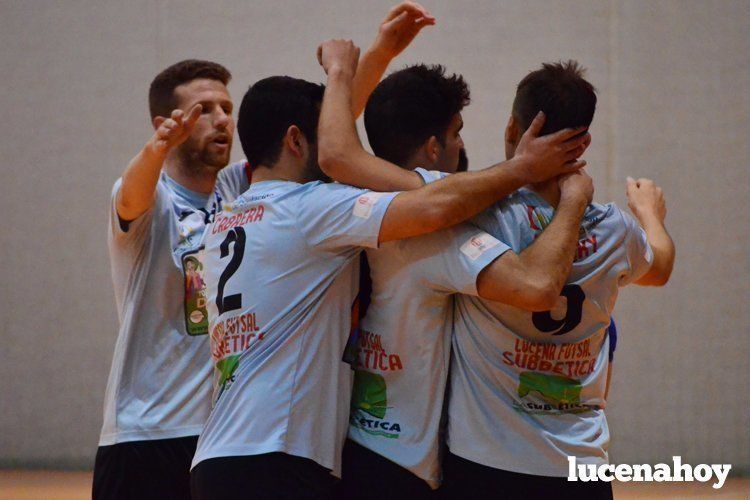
(363, 205)
(477, 245)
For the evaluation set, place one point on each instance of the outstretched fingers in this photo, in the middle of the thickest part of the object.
(193, 114)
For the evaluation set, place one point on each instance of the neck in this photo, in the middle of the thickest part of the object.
(200, 180)
(548, 190)
(281, 171)
(416, 161)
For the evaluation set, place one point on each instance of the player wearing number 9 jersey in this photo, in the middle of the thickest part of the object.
(528, 389)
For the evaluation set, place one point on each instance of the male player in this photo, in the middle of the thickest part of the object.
(282, 275)
(157, 395)
(413, 119)
(158, 391)
(528, 389)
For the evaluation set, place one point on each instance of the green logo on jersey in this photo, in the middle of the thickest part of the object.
(227, 367)
(369, 393)
(556, 389)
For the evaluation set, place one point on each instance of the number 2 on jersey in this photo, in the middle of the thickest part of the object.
(236, 237)
(544, 321)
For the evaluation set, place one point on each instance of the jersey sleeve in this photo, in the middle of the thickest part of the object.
(640, 255)
(507, 223)
(137, 230)
(451, 260)
(335, 216)
(430, 175)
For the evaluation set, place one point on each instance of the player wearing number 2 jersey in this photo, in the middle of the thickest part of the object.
(528, 389)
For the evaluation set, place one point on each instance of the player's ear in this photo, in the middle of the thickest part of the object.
(157, 121)
(433, 149)
(512, 136)
(511, 130)
(295, 140)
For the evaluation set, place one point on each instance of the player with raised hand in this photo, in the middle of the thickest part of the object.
(528, 390)
(158, 392)
(399, 28)
(402, 349)
(646, 201)
(139, 179)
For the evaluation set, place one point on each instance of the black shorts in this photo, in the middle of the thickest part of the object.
(465, 479)
(367, 475)
(267, 476)
(158, 468)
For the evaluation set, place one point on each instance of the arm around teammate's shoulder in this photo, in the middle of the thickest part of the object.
(646, 201)
(533, 279)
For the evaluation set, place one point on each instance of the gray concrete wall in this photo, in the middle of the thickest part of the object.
(673, 80)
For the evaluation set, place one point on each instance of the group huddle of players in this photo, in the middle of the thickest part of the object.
(465, 354)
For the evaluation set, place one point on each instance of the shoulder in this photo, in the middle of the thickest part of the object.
(327, 192)
(235, 172)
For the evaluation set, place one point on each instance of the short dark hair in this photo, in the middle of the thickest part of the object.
(560, 90)
(269, 108)
(410, 106)
(161, 98)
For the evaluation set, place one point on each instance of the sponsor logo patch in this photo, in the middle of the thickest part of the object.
(363, 205)
(477, 245)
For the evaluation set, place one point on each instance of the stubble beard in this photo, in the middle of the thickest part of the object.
(463, 161)
(312, 169)
(198, 162)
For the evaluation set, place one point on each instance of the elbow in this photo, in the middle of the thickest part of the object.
(661, 279)
(335, 160)
(330, 159)
(542, 295)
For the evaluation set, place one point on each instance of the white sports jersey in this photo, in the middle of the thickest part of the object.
(404, 342)
(232, 181)
(159, 383)
(282, 274)
(527, 389)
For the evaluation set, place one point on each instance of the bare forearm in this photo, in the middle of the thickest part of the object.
(136, 194)
(340, 152)
(370, 70)
(551, 256)
(337, 133)
(461, 196)
(449, 201)
(664, 252)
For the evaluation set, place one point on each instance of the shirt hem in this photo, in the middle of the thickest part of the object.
(241, 451)
(433, 482)
(513, 465)
(149, 435)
